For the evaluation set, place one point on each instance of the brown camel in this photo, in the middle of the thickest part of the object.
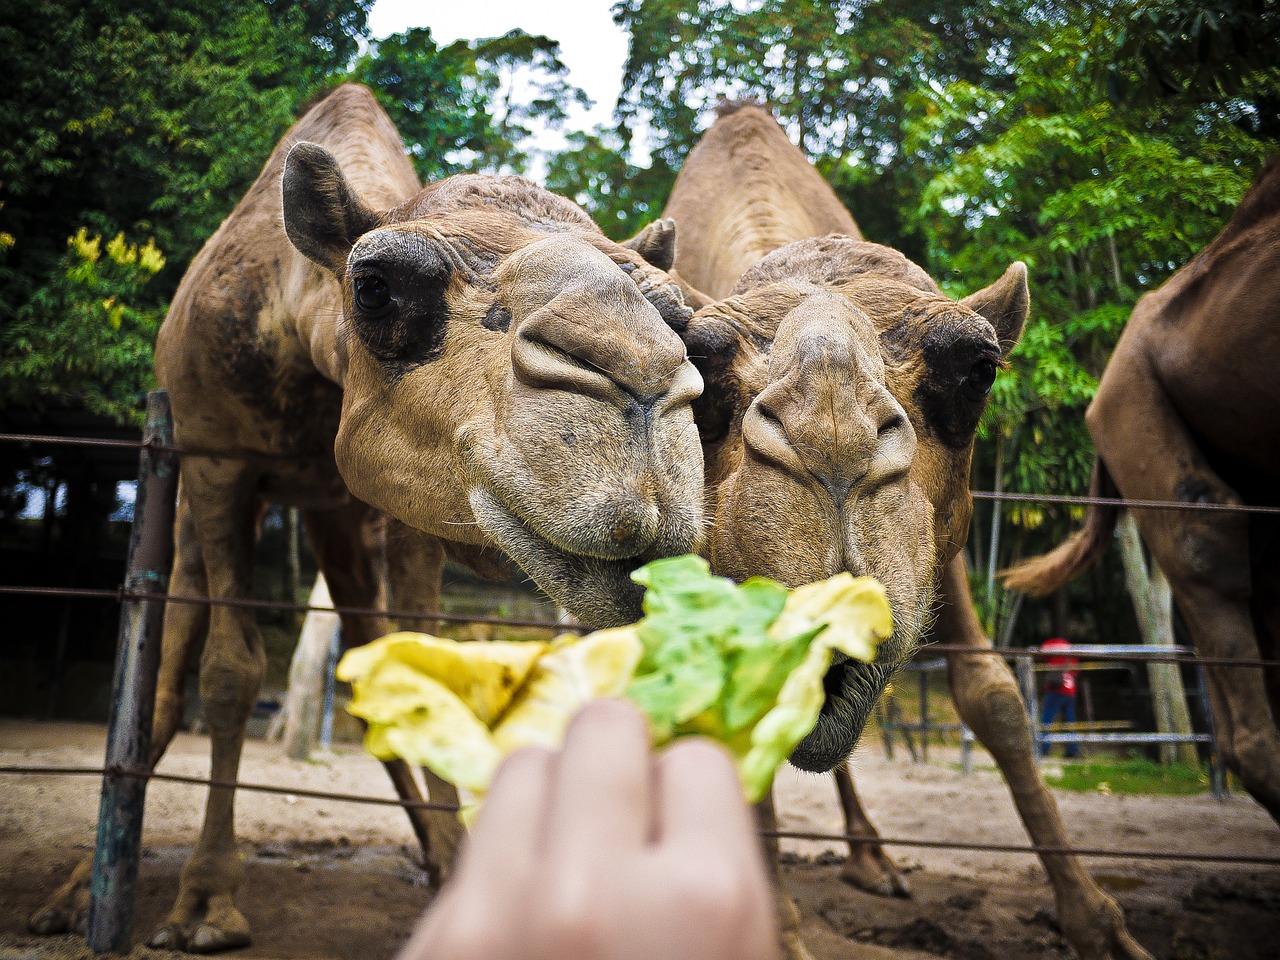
(1188, 410)
(800, 433)
(475, 359)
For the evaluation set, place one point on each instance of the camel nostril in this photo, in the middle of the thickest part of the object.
(623, 531)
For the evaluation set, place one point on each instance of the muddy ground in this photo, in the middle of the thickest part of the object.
(339, 880)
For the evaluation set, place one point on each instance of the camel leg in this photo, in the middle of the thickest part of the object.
(185, 625)
(790, 938)
(415, 562)
(350, 544)
(1264, 604)
(987, 698)
(225, 512)
(1203, 560)
(1205, 554)
(868, 868)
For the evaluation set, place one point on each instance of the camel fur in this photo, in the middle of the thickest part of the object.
(473, 360)
(1188, 410)
(794, 439)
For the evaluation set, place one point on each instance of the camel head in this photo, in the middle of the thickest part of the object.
(509, 377)
(843, 393)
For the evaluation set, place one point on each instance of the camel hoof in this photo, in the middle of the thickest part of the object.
(209, 939)
(49, 920)
(880, 883)
(168, 937)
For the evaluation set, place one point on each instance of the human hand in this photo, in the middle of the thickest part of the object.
(604, 851)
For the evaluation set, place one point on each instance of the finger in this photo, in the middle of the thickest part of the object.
(505, 844)
(601, 796)
(698, 796)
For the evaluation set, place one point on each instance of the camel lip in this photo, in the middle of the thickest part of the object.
(843, 715)
(489, 506)
(598, 590)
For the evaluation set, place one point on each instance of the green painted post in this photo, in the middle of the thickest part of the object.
(119, 842)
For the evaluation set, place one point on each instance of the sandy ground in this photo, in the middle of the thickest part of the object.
(339, 880)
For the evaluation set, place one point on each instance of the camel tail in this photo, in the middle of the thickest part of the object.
(1044, 574)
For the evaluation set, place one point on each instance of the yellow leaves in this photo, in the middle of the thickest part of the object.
(855, 610)
(459, 708)
(573, 672)
(115, 312)
(120, 251)
(150, 258)
(86, 249)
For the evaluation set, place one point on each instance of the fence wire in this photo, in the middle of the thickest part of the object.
(851, 839)
(996, 495)
(122, 594)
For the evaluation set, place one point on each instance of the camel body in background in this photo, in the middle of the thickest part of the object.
(476, 360)
(1188, 410)
(765, 417)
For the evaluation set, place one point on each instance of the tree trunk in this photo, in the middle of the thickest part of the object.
(305, 697)
(292, 562)
(1153, 603)
(1115, 263)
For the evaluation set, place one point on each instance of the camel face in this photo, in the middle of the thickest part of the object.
(507, 380)
(838, 426)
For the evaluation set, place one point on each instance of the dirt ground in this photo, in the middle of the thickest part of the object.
(339, 880)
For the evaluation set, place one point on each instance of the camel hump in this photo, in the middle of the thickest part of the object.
(1042, 575)
(726, 107)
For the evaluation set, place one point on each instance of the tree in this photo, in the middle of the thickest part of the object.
(1102, 200)
(142, 119)
(83, 340)
(470, 105)
(595, 172)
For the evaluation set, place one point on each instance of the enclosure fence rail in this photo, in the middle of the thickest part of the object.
(1112, 852)
(122, 594)
(142, 598)
(994, 495)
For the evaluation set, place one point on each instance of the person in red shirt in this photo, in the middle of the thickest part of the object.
(1059, 697)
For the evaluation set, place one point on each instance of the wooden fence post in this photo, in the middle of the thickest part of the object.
(119, 841)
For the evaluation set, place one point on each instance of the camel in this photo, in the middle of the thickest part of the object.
(837, 373)
(1187, 411)
(473, 359)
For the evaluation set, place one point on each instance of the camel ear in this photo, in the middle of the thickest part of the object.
(322, 215)
(1005, 305)
(656, 243)
(711, 345)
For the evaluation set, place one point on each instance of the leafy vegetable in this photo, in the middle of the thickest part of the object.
(740, 663)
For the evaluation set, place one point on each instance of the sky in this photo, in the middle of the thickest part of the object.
(592, 46)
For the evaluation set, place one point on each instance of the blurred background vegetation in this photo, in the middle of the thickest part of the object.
(1103, 143)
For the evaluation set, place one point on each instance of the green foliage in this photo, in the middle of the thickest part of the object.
(86, 339)
(1100, 202)
(424, 90)
(146, 119)
(595, 172)
(470, 105)
(1221, 48)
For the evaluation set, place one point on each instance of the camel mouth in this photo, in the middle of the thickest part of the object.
(852, 689)
(598, 591)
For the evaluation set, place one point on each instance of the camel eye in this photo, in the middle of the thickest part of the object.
(981, 376)
(372, 293)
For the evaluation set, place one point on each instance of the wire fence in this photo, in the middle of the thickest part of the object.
(852, 839)
(125, 594)
(994, 495)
